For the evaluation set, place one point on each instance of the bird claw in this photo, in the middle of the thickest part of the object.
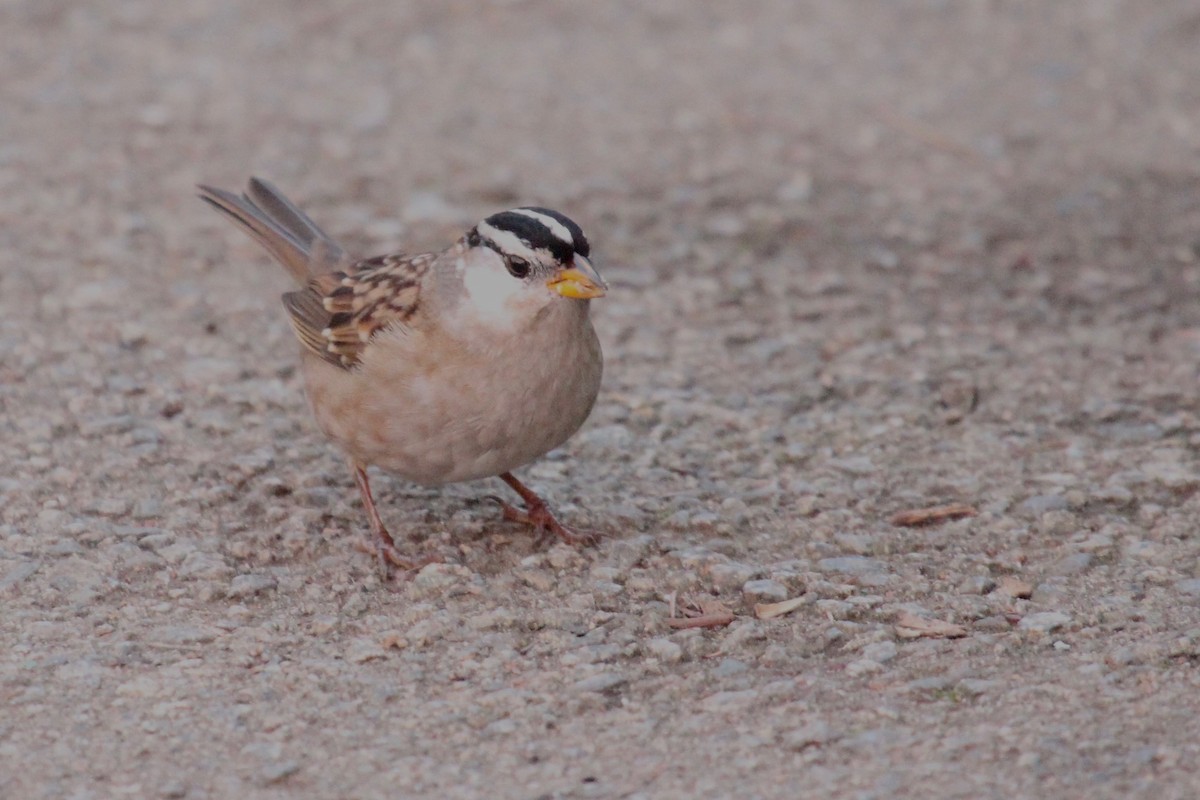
(538, 516)
(387, 556)
(393, 558)
(511, 512)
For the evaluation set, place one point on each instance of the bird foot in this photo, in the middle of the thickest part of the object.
(537, 515)
(383, 547)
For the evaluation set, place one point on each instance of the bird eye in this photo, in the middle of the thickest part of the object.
(517, 267)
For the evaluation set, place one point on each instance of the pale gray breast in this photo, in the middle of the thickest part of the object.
(433, 413)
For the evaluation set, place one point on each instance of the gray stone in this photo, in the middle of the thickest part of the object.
(173, 790)
(63, 547)
(976, 686)
(764, 591)
(813, 734)
(364, 649)
(1051, 592)
(1074, 564)
(852, 565)
(606, 589)
(1044, 621)
(494, 619)
(198, 564)
(184, 634)
(664, 650)
(731, 575)
(730, 701)
(863, 666)
(856, 465)
(1117, 495)
(977, 584)
(541, 580)
(723, 545)
(996, 623)
(854, 543)
(500, 727)
(1191, 586)
(880, 651)
(836, 609)
(146, 507)
(112, 507)
(936, 683)
(729, 666)
(107, 426)
(18, 574)
(604, 682)
(274, 773)
(1042, 503)
(250, 585)
(742, 632)
(1127, 432)
(441, 576)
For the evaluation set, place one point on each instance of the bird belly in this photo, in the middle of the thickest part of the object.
(436, 420)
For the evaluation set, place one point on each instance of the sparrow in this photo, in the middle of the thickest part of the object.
(439, 367)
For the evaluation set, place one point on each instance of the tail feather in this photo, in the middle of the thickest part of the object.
(280, 227)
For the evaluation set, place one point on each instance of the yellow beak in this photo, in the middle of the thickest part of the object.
(579, 282)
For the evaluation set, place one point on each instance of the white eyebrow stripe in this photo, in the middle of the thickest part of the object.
(557, 228)
(508, 242)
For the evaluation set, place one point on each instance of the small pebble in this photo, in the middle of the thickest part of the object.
(1073, 564)
(1044, 621)
(729, 666)
(664, 650)
(863, 666)
(814, 734)
(764, 591)
(730, 575)
(852, 565)
(977, 584)
(601, 683)
(974, 687)
(1040, 504)
(279, 772)
(880, 651)
(250, 585)
(1190, 587)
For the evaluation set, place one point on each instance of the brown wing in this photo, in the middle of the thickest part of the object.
(336, 314)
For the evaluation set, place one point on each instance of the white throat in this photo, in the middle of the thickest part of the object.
(492, 300)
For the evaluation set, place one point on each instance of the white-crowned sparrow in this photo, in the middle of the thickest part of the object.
(440, 367)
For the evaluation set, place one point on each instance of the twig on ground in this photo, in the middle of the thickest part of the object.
(700, 614)
(915, 517)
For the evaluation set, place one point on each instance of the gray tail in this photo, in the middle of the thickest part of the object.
(283, 230)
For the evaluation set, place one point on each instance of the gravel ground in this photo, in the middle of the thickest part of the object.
(866, 257)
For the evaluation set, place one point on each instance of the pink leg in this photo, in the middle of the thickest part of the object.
(537, 514)
(383, 545)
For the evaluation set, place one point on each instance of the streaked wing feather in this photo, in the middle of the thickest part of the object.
(336, 314)
(308, 317)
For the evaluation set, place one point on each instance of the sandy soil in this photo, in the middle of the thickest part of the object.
(866, 257)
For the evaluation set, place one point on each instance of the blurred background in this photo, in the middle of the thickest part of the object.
(663, 125)
(905, 148)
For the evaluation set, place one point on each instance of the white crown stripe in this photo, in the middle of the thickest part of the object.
(557, 228)
(507, 241)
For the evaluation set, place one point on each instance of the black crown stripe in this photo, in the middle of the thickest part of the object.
(580, 241)
(538, 236)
